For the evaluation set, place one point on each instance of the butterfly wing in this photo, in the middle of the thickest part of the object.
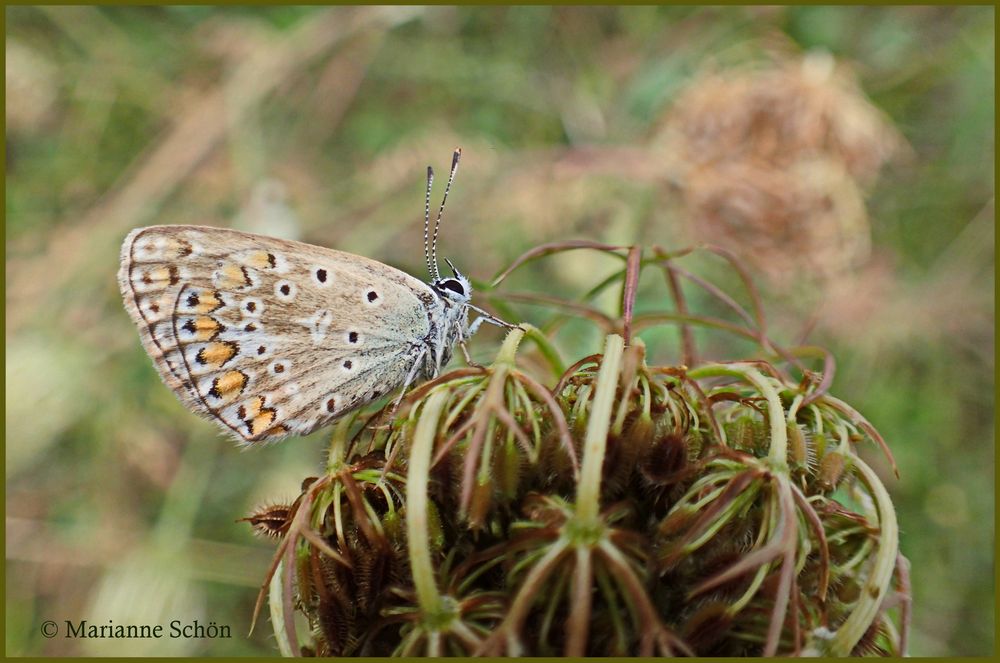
(270, 337)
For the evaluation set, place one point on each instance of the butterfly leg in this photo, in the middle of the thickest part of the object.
(410, 377)
(465, 350)
(486, 317)
(473, 328)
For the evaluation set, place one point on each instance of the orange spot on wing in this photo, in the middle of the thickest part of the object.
(257, 259)
(176, 248)
(208, 302)
(161, 276)
(230, 383)
(276, 431)
(252, 408)
(261, 422)
(204, 328)
(232, 276)
(215, 355)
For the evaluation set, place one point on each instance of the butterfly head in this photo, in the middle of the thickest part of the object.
(456, 289)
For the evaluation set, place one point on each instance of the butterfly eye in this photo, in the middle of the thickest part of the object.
(454, 285)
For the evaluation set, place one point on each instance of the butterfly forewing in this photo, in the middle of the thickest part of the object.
(270, 337)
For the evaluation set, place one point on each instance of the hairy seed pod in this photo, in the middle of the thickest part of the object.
(797, 452)
(748, 434)
(332, 626)
(508, 468)
(640, 433)
(819, 445)
(666, 461)
(481, 503)
(554, 465)
(707, 626)
(271, 521)
(619, 461)
(830, 470)
(434, 527)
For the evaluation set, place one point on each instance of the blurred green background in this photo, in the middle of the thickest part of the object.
(857, 185)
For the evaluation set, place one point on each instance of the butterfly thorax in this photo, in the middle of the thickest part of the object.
(451, 326)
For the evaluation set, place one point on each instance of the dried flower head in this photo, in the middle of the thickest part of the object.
(712, 508)
(779, 113)
(808, 218)
(773, 160)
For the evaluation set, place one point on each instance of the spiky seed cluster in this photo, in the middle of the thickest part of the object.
(631, 510)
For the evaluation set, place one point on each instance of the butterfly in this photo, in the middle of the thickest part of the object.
(270, 337)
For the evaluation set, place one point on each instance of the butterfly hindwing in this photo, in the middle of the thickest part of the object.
(270, 337)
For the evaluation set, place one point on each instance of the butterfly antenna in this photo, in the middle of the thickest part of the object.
(432, 270)
(437, 224)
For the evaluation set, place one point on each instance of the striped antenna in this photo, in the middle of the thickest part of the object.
(432, 270)
(437, 224)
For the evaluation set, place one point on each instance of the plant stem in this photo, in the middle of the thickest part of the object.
(337, 451)
(778, 450)
(877, 584)
(417, 479)
(546, 348)
(277, 613)
(509, 348)
(595, 444)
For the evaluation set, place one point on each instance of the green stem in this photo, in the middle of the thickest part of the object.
(277, 607)
(877, 584)
(337, 453)
(417, 481)
(509, 348)
(595, 443)
(547, 349)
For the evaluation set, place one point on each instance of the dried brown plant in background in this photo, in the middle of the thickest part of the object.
(773, 161)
